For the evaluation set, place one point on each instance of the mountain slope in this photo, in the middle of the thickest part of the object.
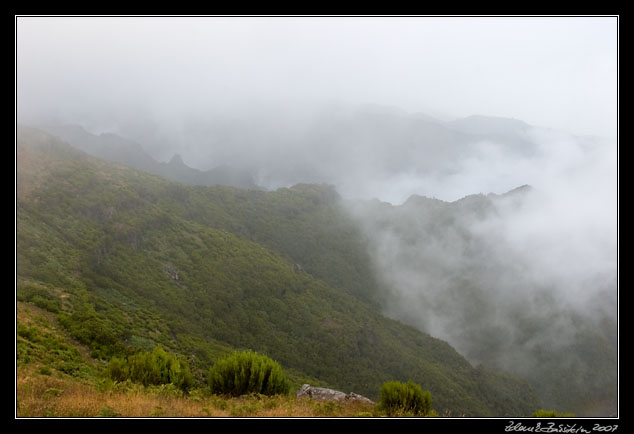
(513, 133)
(112, 147)
(132, 260)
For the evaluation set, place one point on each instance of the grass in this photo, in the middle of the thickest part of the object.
(47, 396)
(60, 396)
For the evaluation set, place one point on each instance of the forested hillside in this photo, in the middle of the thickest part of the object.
(126, 260)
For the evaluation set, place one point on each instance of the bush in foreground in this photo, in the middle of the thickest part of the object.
(405, 399)
(247, 372)
(152, 368)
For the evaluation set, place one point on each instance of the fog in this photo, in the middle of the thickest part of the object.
(261, 92)
(558, 72)
(525, 281)
(385, 108)
(282, 96)
(558, 237)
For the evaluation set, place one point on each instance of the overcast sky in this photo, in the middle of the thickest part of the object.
(558, 72)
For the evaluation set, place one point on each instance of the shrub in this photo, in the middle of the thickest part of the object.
(152, 368)
(94, 330)
(118, 369)
(39, 296)
(28, 333)
(247, 372)
(402, 399)
(70, 368)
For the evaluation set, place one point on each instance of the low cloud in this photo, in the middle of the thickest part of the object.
(524, 281)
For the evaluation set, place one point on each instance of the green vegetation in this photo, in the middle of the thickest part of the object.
(405, 399)
(39, 296)
(247, 372)
(122, 262)
(152, 368)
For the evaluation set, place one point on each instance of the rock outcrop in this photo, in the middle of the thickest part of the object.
(325, 394)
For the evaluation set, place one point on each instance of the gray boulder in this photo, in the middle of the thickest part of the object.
(325, 394)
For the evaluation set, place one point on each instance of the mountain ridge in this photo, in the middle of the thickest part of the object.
(112, 147)
(357, 148)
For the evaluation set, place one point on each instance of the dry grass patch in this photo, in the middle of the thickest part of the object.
(46, 396)
(49, 396)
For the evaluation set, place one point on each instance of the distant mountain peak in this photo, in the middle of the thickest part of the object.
(177, 160)
(480, 124)
(416, 199)
(520, 190)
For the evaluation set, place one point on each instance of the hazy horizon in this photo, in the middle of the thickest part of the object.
(557, 72)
